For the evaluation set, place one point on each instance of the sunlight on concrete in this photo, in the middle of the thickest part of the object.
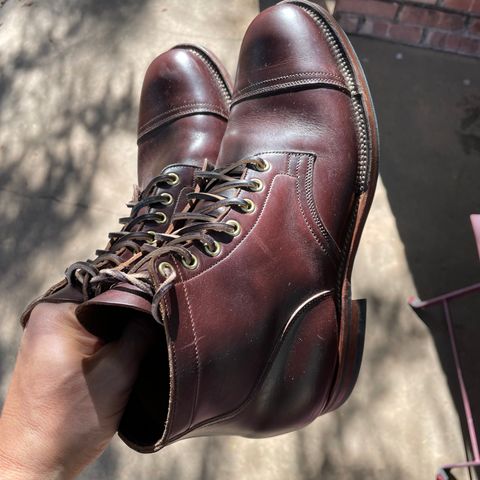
(70, 79)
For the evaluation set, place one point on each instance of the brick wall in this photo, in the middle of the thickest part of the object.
(447, 25)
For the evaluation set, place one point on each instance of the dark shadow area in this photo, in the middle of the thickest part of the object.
(329, 455)
(428, 107)
(53, 128)
(264, 4)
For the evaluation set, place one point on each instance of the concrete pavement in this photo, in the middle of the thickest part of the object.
(70, 80)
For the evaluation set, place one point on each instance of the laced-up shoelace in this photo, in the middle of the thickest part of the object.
(217, 192)
(132, 236)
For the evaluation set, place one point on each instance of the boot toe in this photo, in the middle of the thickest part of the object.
(284, 41)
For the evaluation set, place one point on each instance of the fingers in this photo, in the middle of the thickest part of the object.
(58, 322)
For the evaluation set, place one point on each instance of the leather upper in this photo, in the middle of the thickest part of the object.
(255, 333)
(183, 114)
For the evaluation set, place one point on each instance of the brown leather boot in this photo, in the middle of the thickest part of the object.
(253, 287)
(183, 115)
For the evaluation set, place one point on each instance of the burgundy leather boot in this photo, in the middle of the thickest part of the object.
(183, 115)
(253, 286)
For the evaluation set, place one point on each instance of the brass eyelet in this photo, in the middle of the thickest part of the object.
(174, 179)
(168, 198)
(258, 185)
(165, 269)
(236, 226)
(265, 167)
(213, 252)
(250, 207)
(162, 218)
(153, 240)
(193, 263)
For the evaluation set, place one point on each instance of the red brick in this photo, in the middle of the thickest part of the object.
(374, 8)
(406, 33)
(375, 28)
(449, 42)
(475, 8)
(462, 5)
(453, 42)
(469, 46)
(427, 2)
(349, 22)
(474, 27)
(411, 34)
(431, 18)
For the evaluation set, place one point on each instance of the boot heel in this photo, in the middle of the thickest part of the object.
(353, 323)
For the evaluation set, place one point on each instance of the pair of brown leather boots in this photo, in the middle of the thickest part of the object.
(242, 235)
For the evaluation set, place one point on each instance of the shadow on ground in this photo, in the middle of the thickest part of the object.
(428, 105)
(59, 117)
(56, 116)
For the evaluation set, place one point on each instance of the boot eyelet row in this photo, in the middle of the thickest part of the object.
(249, 207)
(153, 240)
(193, 264)
(213, 252)
(162, 218)
(174, 179)
(165, 269)
(258, 185)
(265, 166)
(236, 227)
(168, 199)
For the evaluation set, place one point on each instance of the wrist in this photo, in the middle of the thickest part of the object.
(24, 456)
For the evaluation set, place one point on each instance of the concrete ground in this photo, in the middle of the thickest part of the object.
(70, 78)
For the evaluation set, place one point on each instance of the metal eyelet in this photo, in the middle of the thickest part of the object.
(193, 263)
(162, 218)
(265, 167)
(258, 185)
(165, 269)
(213, 252)
(236, 226)
(174, 179)
(168, 198)
(153, 240)
(249, 207)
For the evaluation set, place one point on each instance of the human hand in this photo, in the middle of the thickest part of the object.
(67, 394)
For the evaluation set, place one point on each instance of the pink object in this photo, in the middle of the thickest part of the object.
(475, 219)
(417, 304)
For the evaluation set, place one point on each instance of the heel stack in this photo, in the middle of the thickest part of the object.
(352, 339)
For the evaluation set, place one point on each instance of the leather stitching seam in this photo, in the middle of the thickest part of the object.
(238, 410)
(195, 344)
(313, 211)
(286, 85)
(317, 239)
(160, 120)
(252, 227)
(255, 85)
(173, 401)
(173, 110)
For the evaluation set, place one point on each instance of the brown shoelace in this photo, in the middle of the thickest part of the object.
(125, 246)
(217, 191)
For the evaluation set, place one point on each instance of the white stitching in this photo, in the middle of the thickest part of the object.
(303, 212)
(292, 75)
(195, 344)
(253, 226)
(161, 119)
